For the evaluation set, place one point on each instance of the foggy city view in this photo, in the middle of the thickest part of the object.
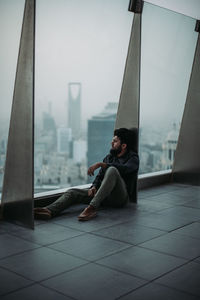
(80, 56)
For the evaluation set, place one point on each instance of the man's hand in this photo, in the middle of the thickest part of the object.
(92, 191)
(94, 167)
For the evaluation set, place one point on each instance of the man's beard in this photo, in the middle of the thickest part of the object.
(116, 151)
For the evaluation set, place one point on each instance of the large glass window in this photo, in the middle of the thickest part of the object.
(168, 45)
(81, 49)
(11, 15)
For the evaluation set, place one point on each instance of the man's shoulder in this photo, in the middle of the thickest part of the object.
(108, 157)
(132, 153)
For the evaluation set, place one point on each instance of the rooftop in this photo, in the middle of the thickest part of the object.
(147, 250)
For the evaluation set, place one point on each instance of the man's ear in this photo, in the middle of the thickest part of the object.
(124, 146)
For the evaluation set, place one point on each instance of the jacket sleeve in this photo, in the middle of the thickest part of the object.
(100, 175)
(129, 167)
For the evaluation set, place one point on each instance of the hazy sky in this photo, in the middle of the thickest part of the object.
(87, 41)
(83, 41)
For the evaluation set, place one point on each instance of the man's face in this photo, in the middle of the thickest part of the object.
(116, 146)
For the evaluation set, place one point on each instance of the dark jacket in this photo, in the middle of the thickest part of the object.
(127, 165)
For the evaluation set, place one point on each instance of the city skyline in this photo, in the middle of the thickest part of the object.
(73, 44)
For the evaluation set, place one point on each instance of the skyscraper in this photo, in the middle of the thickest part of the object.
(64, 140)
(100, 133)
(74, 108)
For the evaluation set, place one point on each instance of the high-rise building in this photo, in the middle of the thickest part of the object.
(74, 108)
(79, 151)
(100, 133)
(64, 140)
(169, 147)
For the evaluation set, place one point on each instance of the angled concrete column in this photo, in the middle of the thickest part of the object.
(128, 110)
(17, 195)
(186, 166)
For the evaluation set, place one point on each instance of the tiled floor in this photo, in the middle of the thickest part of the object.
(146, 251)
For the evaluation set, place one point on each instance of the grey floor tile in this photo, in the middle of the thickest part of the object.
(41, 263)
(197, 260)
(94, 282)
(188, 213)
(9, 227)
(131, 234)
(90, 247)
(152, 206)
(11, 245)
(175, 244)
(34, 292)
(168, 199)
(10, 281)
(195, 203)
(47, 233)
(156, 292)
(189, 192)
(99, 222)
(156, 190)
(161, 222)
(185, 278)
(192, 230)
(141, 262)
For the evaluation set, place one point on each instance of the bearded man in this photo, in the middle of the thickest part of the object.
(113, 186)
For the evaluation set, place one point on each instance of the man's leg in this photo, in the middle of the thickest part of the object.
(112, 189)
(70, 197)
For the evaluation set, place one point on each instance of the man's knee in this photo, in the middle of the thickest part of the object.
(112, 171)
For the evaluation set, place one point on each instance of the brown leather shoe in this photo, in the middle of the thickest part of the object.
(88, 213)
(42, 213)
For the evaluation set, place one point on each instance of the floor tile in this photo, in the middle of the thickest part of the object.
(94, 282)
(168, 199)
(8, 226)
(89, 246)
(188, 193)
(185, 278)
(131, 234)
(197, 260)
(161, 222)
(11, 245)
(175, 244)
(141, 262)
(192, 230)
(47, 233)
(157, 292)
(10, 282)
(34, 292)
(41, 263)
(99, 222)
(189, 213)
(152, 206)
(195, 203)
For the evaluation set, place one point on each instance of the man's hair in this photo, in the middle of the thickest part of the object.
(124, 135)
(128, 137)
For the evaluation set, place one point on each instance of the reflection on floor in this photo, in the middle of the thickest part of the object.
(146, 251)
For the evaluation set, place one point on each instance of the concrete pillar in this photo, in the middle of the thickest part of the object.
(17, 194)
(186, 168)
(128, 110)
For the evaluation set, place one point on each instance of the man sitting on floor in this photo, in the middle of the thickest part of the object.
(113, 186)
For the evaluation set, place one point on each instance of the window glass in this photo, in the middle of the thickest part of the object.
(168, 46)
(81, 49)
(11, 16)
